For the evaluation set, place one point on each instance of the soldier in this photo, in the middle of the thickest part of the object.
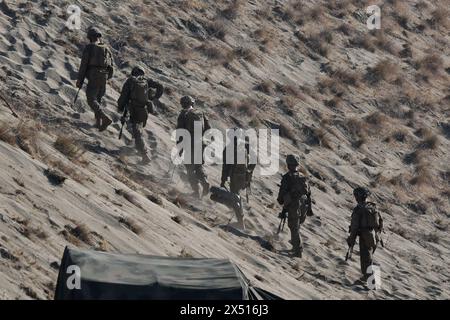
(97, 66)
(366, 223)
(295, 196)
(186, 120)
(135, 96)
(240, 174)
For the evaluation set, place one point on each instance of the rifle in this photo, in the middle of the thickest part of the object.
(283, 217)
(349, 252)
(123, 122)
(76, 97)
(9, 107)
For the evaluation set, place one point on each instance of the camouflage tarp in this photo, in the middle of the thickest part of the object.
(129, 276)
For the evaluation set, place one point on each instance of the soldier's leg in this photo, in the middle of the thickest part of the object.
(365, 254)
(141, 147)
(234, 188)
(295, 233)
(193, 180)
(91, 97)
(201, 177)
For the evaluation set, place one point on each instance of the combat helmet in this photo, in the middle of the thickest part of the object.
(137, 71)
(361, 193)
(93, 33)
(292, 160)
(186, 102)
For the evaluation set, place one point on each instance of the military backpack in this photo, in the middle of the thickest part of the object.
(370, 217)
(139, 91)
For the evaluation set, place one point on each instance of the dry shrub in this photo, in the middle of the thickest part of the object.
(346, 76)
(400, 135)
(291, 90)
(246, 53)
(364, 41)
(68, 146)
(439, 18)
(345, 29)
(319, 42)
(185, 253)
(233, 10)
(130, 224)
(68, 170)
(286, 131)
(331, 85)
(246, 106)
(213, 52)
(422, 175)
(265, 37)
(429, 66)
(430, 141)
(384, 43)
(177, 219)
(358, 130)
(384, 70)
(334, 102)
(217, 28)
(81, 232)
(287, 104)
(322, 137)
(7, 133)
(377, 119)
(265, 86)
(192, 5)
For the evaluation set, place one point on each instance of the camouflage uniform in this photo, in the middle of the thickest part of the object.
(293, 191)
(188, 116)
(97, 66)
(139, 110)
(240, 174)
(366, 222)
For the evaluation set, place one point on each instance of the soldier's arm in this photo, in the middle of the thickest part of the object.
(354, 226)
(283, 191)
(159, 88)
(124, 96)
(83, 67)
(225, 168)
(111, 67)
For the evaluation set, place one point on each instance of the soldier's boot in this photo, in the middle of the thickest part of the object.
(97, 120)
(205, 186)
(105, 121)
(145, 159)
(240, 222)
(297, 252)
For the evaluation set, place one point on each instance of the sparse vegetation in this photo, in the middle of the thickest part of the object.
(130, 224)
(384, 70)
(68, 146)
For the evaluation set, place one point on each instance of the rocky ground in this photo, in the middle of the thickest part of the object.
(360, 107)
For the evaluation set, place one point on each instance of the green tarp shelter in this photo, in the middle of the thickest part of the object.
(111, 276)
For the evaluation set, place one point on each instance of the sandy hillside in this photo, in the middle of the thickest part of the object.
(359, 107)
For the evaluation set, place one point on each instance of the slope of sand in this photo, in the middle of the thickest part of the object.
(106, 187)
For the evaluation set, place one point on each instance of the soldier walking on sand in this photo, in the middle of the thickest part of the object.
(187, 120)
(295, 196)
(135, 97)
(97, 66)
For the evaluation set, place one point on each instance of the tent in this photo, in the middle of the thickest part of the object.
(97, 275)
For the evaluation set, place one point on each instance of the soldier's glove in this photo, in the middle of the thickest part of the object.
(79, 84)
(282, 215)
(223, 184)
(350, 241)
(123, 119)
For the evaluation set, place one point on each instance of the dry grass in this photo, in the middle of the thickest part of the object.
(364, 41)
(232, 11)
(7, 133)
(322, 137)
(320, 42)
(68, 146)
(346, 76)
(429, 66)
(217, 28)
(384, 70)
(185, 254)
(331, 86)
(246, 53)
(68, 170)
(439, 18)
(77, 234)
(265, 86)
(288, 132)
(177, 219)
(358, 130)
(130, 224)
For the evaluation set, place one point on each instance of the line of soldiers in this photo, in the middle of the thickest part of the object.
(294, 193)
